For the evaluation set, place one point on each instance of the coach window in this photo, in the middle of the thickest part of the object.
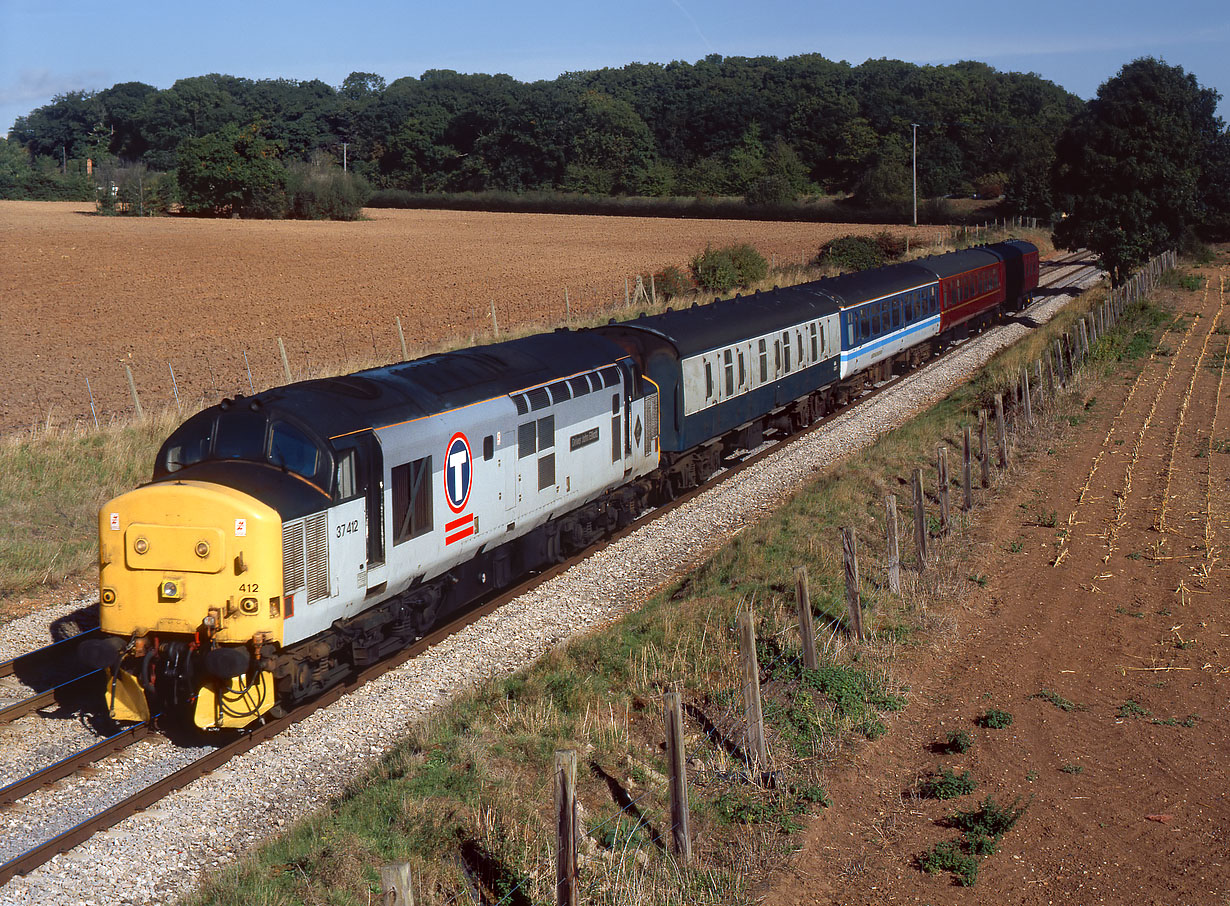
(786, 349)
(798, 335)
(708, 382)
(729, 360)
(764, 362)
(815, 349)
(742, 369)
(777, 357)
(411, 500)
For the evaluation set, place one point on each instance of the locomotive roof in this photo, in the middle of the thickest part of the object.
(438, 383)
(700, 328)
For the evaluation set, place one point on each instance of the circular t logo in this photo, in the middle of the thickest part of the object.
(458, 472)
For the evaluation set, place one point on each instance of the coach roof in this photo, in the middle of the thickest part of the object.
(701, 328)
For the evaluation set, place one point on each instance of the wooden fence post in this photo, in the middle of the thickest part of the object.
(756, 748)
(566, 827)
(854, 604)
(807, 630)
(894, 546)
(680, 834)
(402, 336)
(920, 520)
(1000, 432)
(941, 470)
(495, 324)
(285, 361)
(1051, 387)
(395, 888)
(1038, 385)
(984, 449)
(967, 469)
(1029, 409)
(132, 385)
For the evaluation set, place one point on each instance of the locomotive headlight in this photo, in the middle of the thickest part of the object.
(202, 549)
(141, 545)
(170, 590)
(249, 605)
(108, 596)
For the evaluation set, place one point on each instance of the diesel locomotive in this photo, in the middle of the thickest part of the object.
(290, 537)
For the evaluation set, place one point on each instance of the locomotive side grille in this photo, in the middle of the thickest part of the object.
(292, 556)
(317, 556)
(651, 421)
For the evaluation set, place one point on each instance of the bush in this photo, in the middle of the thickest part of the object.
(891, 245)
(326, 193)
(851, 253)
(672, 281)
(721, 270)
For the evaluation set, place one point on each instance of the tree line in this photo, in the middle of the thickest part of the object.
(1142, 167)
(764, 128)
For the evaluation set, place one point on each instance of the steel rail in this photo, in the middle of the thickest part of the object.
(10, 713)
(9, 667)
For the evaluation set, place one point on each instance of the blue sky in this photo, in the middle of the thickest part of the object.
(47, 48)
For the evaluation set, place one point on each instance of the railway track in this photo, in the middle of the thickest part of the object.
(1068, 270)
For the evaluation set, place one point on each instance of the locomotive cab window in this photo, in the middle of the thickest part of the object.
(187, 446)
(291, 449)
(241, 435)
(488, 447)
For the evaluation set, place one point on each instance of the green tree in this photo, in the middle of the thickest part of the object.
(1129, 166)
(232, 171)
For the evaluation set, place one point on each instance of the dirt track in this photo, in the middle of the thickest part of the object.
(1126, 792)
(83, 295)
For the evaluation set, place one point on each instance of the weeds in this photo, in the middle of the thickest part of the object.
(995, 719)
(945, 784)
(1057, 700)
(958, 742)
(1133, 709)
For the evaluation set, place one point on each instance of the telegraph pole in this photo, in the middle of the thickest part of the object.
(344, 147)
(914, 130)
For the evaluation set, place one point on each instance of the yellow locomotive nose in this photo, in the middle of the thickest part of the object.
(189, 570)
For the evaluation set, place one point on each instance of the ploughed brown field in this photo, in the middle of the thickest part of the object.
(1097, 615)
(83, 295)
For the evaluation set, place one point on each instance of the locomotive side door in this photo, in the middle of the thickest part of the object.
(361, 456)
